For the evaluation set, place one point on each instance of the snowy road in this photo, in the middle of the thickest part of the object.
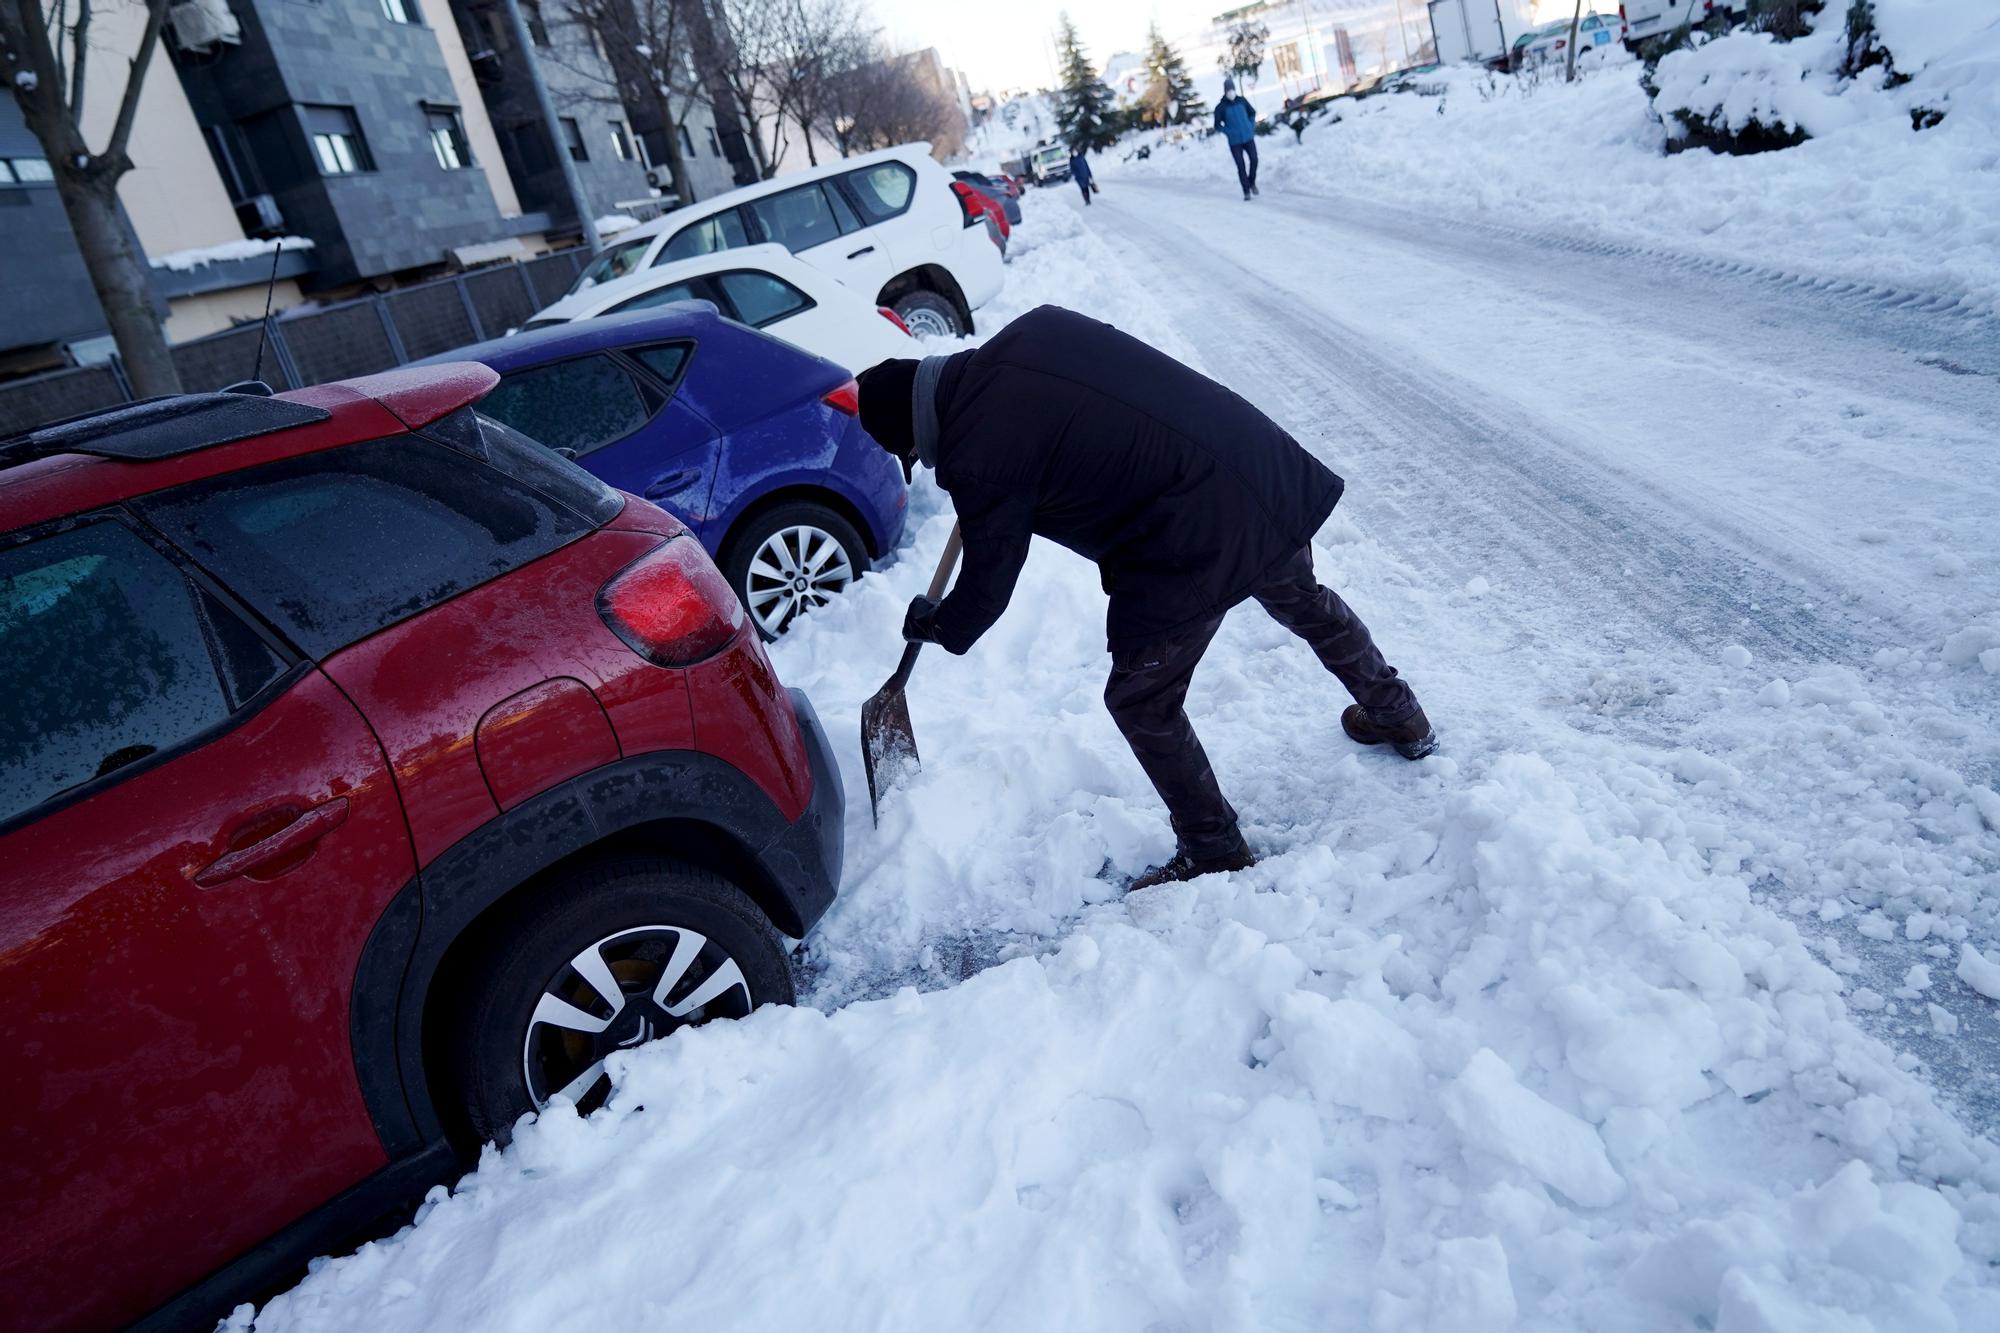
(1648, 460)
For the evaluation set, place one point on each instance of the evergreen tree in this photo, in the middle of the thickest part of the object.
(1171, 98)
(1084, 107)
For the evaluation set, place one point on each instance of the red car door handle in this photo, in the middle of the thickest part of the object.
(288, 842)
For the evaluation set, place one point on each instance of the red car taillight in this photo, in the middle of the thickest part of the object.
(847, 398)
(894, 318)
(671, 605)
(969, 202)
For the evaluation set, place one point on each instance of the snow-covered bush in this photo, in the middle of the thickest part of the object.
(1761, 89)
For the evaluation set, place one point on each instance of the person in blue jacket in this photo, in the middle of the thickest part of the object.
(1236, 120)
(1079, 171)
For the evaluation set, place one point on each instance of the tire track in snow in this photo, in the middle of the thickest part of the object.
(1465, 485)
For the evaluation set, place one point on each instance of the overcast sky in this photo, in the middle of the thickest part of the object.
(1010, 43)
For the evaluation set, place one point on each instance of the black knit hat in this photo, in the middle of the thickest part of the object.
(888, 408)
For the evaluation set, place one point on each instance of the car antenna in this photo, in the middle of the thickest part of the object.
(255, 384)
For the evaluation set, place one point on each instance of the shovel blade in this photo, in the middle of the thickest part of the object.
(888, 742)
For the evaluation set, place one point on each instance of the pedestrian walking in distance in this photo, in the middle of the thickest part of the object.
(1188, 499)
(1236, 121)
(1079, 170)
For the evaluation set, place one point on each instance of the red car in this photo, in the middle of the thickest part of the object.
(368, 774)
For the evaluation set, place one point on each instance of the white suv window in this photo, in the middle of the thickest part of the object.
(797, 219)
(724, 231)
(762, 298)
(883, 191)
(617, 261)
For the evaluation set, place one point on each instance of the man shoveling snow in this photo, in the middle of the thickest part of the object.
(1188, 499)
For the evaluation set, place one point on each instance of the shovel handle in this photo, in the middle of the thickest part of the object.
(946, 563)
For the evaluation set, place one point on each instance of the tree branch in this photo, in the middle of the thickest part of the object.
(78, 41)
(128, 107)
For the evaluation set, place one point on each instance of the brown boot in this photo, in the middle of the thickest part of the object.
(1412, 737)
(1184, 867)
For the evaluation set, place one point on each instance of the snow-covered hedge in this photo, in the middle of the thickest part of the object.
(1912, 60)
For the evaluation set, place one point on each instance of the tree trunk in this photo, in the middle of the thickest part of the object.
(676, 160)
(121, 274)
(806, 133)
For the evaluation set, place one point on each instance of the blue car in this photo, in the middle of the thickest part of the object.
(752, 443)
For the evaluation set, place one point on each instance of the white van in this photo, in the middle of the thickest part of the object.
(886, 224)
(1647, 19)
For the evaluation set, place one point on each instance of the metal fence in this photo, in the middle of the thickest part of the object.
(332, 342)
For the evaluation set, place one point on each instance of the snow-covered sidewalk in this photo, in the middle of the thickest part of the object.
(1504, 1038)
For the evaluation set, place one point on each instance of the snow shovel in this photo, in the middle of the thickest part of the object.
(888, 744)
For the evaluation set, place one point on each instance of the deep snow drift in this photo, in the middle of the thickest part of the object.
(1504, 1038)
(1867, 199)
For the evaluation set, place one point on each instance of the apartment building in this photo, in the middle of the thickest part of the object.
(381, 141)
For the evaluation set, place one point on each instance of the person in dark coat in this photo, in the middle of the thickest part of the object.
(1236, 121)
(1188, 499)
(1079, 170)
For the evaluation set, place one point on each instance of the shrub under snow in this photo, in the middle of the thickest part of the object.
(1910, 61)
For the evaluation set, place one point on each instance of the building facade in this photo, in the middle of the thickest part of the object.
(371, 142)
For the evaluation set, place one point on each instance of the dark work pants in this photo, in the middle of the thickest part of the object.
(1149, 685)
(1083, 185)
(1242, 152)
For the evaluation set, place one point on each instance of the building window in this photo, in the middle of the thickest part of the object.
(448, 138)
(25, 171)
(538, 31)
(621, 142)
(687, 142)
(336, 139)
(714, 145)
(573, 136)
(397, 11)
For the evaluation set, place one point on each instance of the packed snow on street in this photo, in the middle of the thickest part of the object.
(1666, 995)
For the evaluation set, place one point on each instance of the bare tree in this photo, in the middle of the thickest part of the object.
(788, 54)
(643, 42)
(44, 54)
(883, 100)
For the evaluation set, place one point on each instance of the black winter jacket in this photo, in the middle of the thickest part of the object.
(1183, 493)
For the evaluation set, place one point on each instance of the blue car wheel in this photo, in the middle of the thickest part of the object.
(791, 560)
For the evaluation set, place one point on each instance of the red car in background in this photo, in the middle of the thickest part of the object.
(368, 775)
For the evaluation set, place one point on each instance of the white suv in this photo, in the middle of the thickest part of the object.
(887, 224)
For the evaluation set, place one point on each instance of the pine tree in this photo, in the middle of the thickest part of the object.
(1084, 110)
(1171, 96)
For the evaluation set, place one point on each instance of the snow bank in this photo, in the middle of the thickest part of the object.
(1919, 58)
(613, 223)
(181, 261)
(1500, 1039)
(1867, 198)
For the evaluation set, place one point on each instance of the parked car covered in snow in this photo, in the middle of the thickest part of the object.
(888, 224)
(763, 286)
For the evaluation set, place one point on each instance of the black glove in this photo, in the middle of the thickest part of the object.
(920, 621)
